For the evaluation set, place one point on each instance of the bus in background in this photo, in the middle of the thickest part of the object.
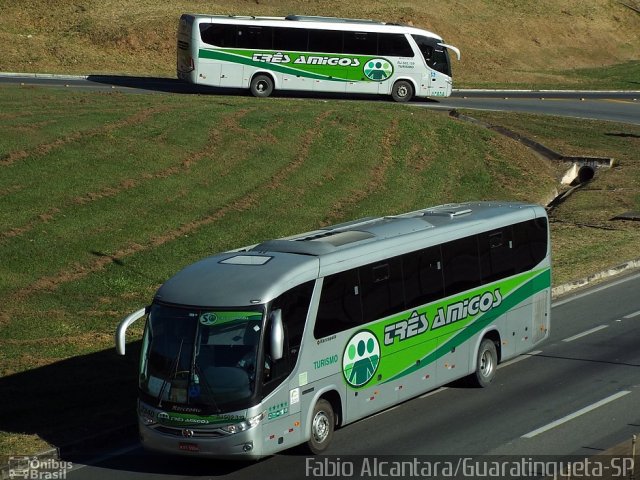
(307, 53)
(252, 351)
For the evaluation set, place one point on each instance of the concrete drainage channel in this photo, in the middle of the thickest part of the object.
(582, 168)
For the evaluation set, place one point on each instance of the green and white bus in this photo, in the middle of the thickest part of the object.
(320, 54)
(256, 350)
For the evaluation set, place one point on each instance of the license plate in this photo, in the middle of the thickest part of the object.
(189, 447)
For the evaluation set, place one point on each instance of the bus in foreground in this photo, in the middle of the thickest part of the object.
(256, 350)
(313, 54)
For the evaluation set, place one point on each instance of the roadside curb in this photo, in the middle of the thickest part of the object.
(46, 76)
(596, 277)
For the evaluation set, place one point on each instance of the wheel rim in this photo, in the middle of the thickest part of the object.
(403, 91)
(320, 427)
(486, 364)
(261, 86)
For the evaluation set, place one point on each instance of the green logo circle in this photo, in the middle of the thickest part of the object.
(361, 358)
(378, 69)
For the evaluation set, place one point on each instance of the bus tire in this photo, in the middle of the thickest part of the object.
(402, 91)
(261, 86)
(486, 364)
(323, 422)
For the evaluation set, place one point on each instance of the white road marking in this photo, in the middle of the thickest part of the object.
(433, 392)
(631, 315)
(519, 358)
(584, 334)
(573, 415)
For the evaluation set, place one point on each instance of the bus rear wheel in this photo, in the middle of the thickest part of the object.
(486, 364)
(402, 91)
(323, 422)
(261, 86)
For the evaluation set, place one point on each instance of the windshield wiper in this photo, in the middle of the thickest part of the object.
(202, 379)
(174, 369)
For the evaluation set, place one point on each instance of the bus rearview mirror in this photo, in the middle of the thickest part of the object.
(277, 335)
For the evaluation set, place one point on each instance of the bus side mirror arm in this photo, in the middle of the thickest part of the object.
(277, 335)
(122, 328)
(452, 48)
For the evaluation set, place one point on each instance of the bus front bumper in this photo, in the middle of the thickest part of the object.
(242, 445)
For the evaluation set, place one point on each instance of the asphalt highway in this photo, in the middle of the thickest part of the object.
(614, 106)
(577, 395)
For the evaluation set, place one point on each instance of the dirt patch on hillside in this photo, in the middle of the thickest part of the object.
(501, 41)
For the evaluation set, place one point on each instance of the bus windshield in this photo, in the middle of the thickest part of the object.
(435, 55)
(201, 358)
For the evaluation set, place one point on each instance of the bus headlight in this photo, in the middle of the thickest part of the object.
(244, 425)
(146, 415)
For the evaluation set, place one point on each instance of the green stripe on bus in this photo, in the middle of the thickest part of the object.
(538, 283)
(234, 58)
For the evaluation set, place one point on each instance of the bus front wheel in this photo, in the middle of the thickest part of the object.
(323, 422)
(486, 364)
(261, 86)
(402, 91)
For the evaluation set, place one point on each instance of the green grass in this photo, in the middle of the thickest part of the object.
(622, 76)
(585, 238)
(105, 196)
(618, 76)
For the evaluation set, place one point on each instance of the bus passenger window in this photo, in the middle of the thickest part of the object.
(422, 276)
(381, 289)
(496, 255)
(218, 35)
(530, 243)
(325, 41)
(363, 43)
(290, 39)
(340, 307)
(394, 45)
(461, 265)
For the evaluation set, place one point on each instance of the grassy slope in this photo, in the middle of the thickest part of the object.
(104, 196)
(504, 42)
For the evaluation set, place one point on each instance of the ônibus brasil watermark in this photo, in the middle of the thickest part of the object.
(38, 468)
(483, 467)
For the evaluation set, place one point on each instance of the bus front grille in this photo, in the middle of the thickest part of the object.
(188, 432)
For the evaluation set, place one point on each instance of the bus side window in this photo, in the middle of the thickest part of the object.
(340, 307)
(290, 39)
(325, 41)
(423, 281)
(496, 254)
(363, 43)
(530, 243)
(260, 38)
(218, 35)
(461, 265)
(394, 45)
(294, 305)
(381, 289)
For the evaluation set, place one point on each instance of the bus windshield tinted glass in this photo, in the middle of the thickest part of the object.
(435, 56)
(205, 358)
